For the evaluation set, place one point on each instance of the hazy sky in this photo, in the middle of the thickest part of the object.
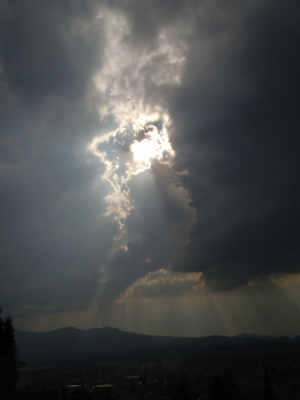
(149, 165)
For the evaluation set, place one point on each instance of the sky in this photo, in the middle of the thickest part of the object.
(149, 165)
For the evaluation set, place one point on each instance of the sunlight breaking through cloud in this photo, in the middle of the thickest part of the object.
(145, 144)
(129, 151)
(141, 134)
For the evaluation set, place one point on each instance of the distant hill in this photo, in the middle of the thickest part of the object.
(106, 340)
(72, 340)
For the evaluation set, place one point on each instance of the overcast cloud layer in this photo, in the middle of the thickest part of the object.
(149, 151)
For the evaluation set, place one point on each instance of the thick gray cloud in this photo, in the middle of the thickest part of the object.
(236, 126)
(52, 233)
(50, 48)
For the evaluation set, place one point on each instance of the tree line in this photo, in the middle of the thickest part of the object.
(9, 361)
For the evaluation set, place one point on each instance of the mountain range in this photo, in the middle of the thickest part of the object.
(106, 340)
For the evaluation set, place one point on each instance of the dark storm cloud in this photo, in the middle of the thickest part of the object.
(236, 132)
(50, 218)
(148, 18)
(51, 192)
(49, 48)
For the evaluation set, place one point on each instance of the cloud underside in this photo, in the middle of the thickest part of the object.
(211, 208)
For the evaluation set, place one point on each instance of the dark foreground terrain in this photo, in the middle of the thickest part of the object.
(145, 367)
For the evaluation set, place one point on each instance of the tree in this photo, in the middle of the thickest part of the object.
(9, 362)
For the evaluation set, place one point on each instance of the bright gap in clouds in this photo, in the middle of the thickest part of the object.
(129, 151)
(145, 150)
(151, 144)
